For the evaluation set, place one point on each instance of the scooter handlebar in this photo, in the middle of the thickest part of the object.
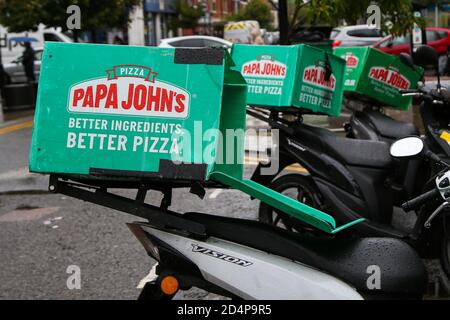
(408, 93)
(418, 201)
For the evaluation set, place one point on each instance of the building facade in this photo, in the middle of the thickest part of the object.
(150, 20)
(156, 20)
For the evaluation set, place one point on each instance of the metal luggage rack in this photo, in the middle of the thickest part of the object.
(275, 120)
(158, 216)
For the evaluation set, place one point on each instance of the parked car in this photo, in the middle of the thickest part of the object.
(352, 36)
(14, 71)
(195, 42)
(438, 38)
(42, 34)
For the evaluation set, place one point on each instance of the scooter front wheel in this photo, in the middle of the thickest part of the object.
(298, 187)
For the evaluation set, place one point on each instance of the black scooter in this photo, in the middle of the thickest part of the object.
(369, 122)
(352, 178)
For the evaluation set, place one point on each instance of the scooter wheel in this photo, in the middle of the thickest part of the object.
(298, 187)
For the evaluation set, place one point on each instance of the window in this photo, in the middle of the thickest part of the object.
(365, 33)
(442, 34)
(401, 40)
(334, 33)
(432, 35)
(214, 44)
(51, 37)
(214, 5)
(188, 43)
(395, 42)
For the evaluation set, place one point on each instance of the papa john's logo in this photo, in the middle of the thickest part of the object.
(351, 60)
(390, 76)
(316, 75)
(129, 90)
(265, 66)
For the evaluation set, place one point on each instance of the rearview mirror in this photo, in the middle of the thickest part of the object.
(407, 60)
(407, 147)
(426, 56)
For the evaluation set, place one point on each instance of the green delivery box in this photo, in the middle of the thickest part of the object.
(136, 112)
(378, 75)
(297, 76)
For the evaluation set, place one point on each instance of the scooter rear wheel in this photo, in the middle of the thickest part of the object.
(298, 187)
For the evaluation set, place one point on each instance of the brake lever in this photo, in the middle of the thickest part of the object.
(427, 223)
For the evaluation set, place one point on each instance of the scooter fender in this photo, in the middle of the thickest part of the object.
(252, 274)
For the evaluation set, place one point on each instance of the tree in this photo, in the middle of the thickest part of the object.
(25, 15)
(258, 10)
(397, 16)
(186, 16)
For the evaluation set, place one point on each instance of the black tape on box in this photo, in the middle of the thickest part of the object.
(212, 56)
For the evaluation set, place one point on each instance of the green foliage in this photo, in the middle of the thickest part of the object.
(397, 16)
(187, 16)
(24, 15)
(259, 10)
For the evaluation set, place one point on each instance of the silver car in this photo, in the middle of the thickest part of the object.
(14, 71)
(355, 36)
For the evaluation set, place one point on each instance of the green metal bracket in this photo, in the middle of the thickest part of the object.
(294, 208)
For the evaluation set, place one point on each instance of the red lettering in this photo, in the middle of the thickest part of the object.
(111, 99)
(100, 93)
(167, 100)
(77, 96)
(127, 104)
(139, 97)
(88, 98)
(180, 98)
(153, 98)
(374, 73)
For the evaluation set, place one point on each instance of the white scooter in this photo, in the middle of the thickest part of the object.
(246, 259)
(250, 260)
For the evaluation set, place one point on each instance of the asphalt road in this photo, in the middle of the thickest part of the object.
(43, 234)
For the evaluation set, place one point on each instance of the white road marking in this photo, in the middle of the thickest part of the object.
(215, 193)
(148, 278)
(19, 215)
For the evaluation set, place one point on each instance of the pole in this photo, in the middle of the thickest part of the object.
(2, 78)
(436, 15)
(283, 21)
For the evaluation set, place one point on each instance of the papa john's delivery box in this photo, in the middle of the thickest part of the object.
(136, 112)
(378, 75)
(286, 77)
(154, 114)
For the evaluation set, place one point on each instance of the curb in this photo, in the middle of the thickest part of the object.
(14, 122)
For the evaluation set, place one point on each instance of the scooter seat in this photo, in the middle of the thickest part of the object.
(365, 153)
(386, 126)
(401, 271)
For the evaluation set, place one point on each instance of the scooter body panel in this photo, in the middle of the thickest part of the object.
(361, 190)
(253, 274)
